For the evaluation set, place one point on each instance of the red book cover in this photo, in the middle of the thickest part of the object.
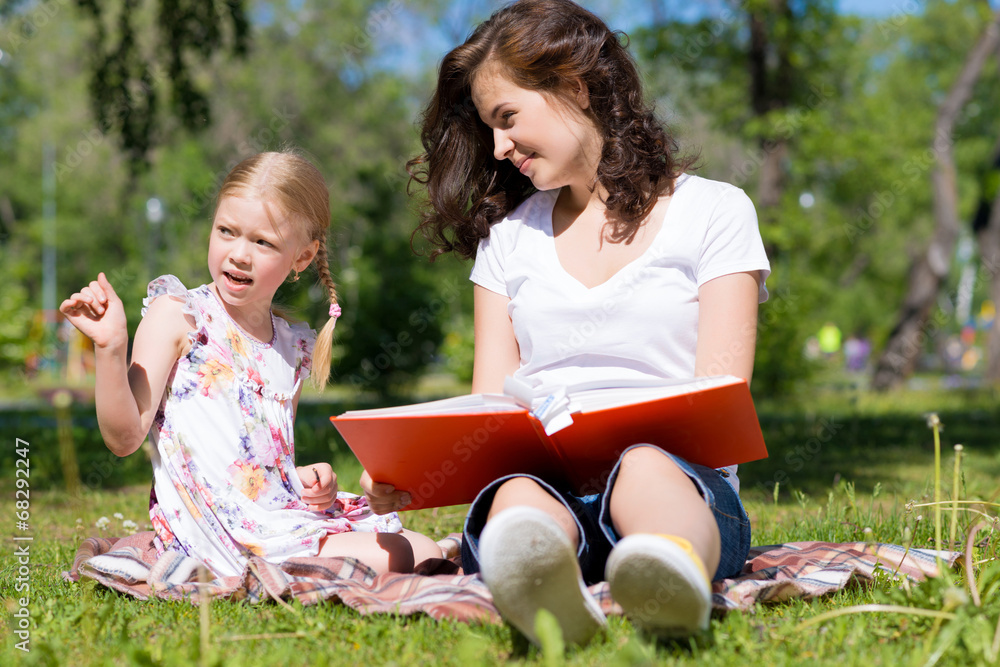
(445, 452)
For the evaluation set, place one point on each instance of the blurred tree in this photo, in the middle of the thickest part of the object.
(854, 132)
(986, 226)
(393, 322)
(124, 76)
(785, 56)
(856, 159)
(140, 52)
(43, 102)
(930, 270)
(759, 70)
(312, 85)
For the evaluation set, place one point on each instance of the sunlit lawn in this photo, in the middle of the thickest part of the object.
(853, 464)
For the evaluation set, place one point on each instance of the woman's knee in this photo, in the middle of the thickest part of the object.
(526, 492)
(647, 460)
(518, 491)
(646, 473)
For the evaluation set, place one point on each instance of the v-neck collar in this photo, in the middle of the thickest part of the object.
(556, 263)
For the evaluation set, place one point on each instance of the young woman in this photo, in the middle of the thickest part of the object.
(596, 257)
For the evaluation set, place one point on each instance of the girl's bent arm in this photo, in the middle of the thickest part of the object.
(497, 354)
(125, 410)
(727, 325)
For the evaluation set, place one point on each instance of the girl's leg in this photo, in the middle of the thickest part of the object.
(653, 495)
(383, 552)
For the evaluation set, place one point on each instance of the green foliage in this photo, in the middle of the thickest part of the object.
(392, 323)
(884, 459)
(860, 103)
(301, 87)
(126, 81)
(15, 327)
(550, 635)
(458, 349)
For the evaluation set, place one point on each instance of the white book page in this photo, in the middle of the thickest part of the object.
(585, 397)
(470, 403)
(590, 398)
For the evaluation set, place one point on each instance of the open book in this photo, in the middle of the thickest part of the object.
(444, 452)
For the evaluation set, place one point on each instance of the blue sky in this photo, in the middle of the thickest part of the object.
(877, 8)
(882, 8)
(640, 11)
(410, 41)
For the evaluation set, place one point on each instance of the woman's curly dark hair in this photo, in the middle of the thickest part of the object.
(542, 45)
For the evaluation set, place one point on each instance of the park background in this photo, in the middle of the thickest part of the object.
(872, 163)
(867, 135)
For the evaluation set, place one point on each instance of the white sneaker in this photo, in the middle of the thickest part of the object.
(528, 563)
(662, 587)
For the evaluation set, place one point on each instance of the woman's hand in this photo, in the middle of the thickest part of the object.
(320, 484)
(97, 311)
(383, 498)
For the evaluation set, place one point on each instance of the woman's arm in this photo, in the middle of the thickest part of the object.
(497, 354)
(727, 325)
(496, 357)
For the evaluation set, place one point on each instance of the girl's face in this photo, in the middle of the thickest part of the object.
(248, 257)
(549, 139)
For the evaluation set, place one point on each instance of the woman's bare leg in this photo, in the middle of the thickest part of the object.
(653, 495)
(528, 560)
(658, 581)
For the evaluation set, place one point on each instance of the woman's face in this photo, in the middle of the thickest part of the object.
(548, 138)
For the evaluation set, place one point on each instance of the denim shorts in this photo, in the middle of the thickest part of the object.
(592, 514)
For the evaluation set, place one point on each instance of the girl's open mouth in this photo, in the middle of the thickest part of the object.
(239, 280)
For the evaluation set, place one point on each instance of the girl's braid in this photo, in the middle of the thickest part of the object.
(323, 350)
(323, 269)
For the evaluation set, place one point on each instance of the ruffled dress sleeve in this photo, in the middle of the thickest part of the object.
(171, 286)
(165, 285)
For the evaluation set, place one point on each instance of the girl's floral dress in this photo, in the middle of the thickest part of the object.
(224, 480)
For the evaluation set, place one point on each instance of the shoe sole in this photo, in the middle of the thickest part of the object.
(658, 586)
(529, 563)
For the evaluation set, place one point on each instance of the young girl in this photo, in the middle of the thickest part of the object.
(215, 377)
(597, 257)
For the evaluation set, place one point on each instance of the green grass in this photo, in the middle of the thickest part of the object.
(848, 471)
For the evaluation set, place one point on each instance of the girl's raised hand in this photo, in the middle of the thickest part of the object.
(320, 484)
(97, 311)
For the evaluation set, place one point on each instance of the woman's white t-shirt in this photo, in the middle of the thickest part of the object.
(642, 323)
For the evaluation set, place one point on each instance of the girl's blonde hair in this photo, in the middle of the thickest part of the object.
(291, 183)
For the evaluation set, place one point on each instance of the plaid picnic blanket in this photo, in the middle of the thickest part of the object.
(440, 590)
